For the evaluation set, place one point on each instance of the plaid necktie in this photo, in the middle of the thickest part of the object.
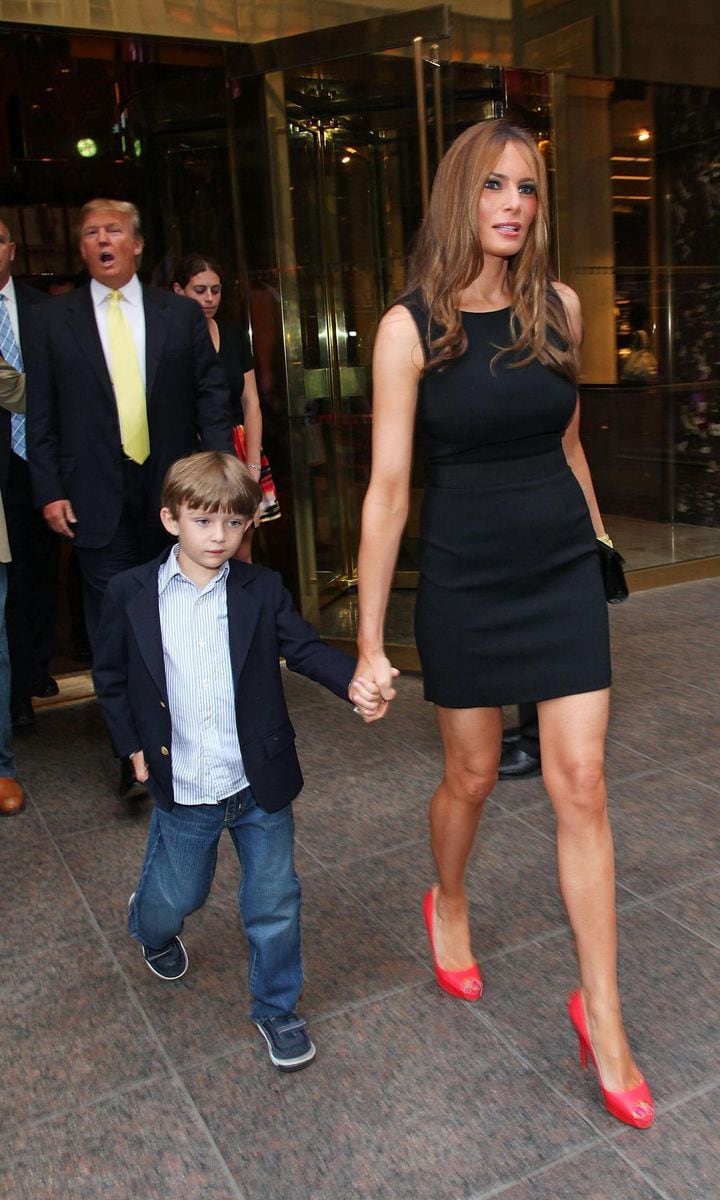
(127, 382)
(11, 353)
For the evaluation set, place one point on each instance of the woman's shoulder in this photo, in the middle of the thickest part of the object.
(412, 302)
(400, 324)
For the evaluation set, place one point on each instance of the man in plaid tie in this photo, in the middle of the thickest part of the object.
(12, 797)
(33, 573)
(123, 381)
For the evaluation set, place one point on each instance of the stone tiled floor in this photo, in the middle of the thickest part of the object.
(118, 1085)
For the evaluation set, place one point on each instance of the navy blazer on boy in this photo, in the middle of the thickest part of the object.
(263, 625)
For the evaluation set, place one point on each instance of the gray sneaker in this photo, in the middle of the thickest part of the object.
(288, 1043)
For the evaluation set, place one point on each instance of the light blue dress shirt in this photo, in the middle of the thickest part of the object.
(207, 764)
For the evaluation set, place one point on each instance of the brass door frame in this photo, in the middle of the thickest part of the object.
(271, 59)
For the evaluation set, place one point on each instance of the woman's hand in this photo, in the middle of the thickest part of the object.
(371, 688)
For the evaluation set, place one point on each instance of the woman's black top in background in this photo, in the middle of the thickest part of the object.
(236, 358)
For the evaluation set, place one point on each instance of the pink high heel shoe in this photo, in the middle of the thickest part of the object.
(466, 984)
(633, 1107)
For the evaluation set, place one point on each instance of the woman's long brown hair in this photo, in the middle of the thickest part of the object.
(448, 256)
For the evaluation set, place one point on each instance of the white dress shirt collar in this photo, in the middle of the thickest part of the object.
(132, 291)
(171, 567)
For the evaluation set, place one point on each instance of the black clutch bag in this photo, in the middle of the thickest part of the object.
(611, 565)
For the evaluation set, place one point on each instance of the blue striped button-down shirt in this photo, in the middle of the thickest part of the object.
(206, 761)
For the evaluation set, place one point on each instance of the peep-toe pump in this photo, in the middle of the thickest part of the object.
(466, 984)
(634, 1106)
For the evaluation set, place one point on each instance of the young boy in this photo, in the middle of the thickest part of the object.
(188, 675)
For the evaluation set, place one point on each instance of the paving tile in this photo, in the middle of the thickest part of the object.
(362, 804)
(410, 1098)
(681, 1153)
(511, 885)
(25, 828)
(671, 724)
(348, 958)
(697, 907)
(413, 1094)
(666, 831)
(70, 1033)
(44, 910)
(105, 864)
(207, 1011)
(673, 1029)
(146, 1143)
(71, 773)
(705, 768)
(596, 1174)
(517, 795)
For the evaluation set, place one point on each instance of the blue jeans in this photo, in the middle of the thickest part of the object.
(7, 758)
(178, 871)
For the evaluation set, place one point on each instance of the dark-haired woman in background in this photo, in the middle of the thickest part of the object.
(199, 278)
(482, 349)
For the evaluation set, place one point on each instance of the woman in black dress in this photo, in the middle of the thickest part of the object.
(482, 351)
(199, 278)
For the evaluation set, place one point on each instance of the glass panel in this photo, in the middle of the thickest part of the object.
(651, 420)
(354, 170)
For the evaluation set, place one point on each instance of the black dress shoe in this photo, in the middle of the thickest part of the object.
(23, 717)
(516, 764)
(128, 787)
(511, 736)
(45, 686)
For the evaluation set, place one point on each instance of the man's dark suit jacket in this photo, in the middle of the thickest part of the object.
(26, 299)
(263, 624)
(74, 447)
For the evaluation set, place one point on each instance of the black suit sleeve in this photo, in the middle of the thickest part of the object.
(42, 425)
(305, 651)
(211, 389)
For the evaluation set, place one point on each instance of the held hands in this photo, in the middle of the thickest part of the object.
(371, 688)
(139, 766)
(60, 516)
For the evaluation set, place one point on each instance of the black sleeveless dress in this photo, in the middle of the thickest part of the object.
(510, 604)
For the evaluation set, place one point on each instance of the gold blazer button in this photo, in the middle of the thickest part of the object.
(164, 750)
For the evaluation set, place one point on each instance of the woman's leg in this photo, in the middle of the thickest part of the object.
(471, 741)
(572, 741)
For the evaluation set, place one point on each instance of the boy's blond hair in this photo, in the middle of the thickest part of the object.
(213, 482)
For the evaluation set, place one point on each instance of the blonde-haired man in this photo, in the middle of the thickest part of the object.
(123, 381)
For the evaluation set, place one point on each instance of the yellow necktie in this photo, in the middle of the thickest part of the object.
(128, 384)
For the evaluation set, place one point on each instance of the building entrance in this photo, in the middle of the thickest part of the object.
(352, 143)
